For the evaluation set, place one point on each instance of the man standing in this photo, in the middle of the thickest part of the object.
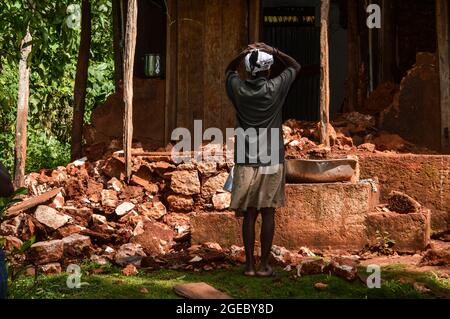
(259, 175)
(6, 190)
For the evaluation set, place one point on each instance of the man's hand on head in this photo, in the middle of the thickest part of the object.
(262, 47)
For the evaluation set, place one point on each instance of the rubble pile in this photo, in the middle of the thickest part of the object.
(350, 134)
(88, 210)
(92, 212)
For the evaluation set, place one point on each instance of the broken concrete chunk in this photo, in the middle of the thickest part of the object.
(214, 184)
(185, 182)
(115, 184)
(207, 169)
(45, 252)
(115, 167)
(68, 230)
(180, 203)
(51, 269)
(76, 245)
(311, 266)
(98, 219)
(109, 198)
(130, 270)
(150, 187)
(129, 254)
(50, 217)
(124, 208)
(12, 243)
(155, 210)
(221, 201)
(402, 203)
(343, 270)
(157, 239)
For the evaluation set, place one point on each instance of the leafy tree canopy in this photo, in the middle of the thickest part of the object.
(55, 29)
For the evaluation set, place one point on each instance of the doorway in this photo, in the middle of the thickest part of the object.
(293, 26)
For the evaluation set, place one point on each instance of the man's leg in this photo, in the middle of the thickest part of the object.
(248, 233)
(267, 232)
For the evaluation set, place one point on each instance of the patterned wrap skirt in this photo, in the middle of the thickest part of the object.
(257, 187)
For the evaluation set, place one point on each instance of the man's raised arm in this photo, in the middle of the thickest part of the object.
(287, 60)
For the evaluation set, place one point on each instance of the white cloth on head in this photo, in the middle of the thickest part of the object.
(263, 63)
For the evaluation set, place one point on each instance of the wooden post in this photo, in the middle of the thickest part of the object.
(353, 56)
(81, 79)
(444, 73)
(170, 113)
(324, 75)
(20, 153)
(128, 67)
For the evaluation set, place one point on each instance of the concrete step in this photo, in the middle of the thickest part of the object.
(321, 216)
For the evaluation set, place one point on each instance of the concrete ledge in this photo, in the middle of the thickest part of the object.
(411, 232)
(323, 216)
(221, 228)
(424, 177)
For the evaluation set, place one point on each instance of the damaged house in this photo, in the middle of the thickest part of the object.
(388, 114)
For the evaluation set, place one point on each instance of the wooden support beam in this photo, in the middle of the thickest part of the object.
(353, 56)
(20, 151)
(128, 67)
(324, 75)
(171, 70)
(442, 30)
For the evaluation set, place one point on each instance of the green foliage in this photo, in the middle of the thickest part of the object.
(159, 284)
(7, 202)
(384, 243)
(54, 26)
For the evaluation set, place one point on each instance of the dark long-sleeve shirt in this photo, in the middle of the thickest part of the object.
(259, 105)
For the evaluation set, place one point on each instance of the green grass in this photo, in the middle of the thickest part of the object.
(397, 283)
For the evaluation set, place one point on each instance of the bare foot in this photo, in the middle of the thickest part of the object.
(266, 271)
(250, 271)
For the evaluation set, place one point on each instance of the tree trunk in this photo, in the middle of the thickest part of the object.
(353, 56)
(128, 67)
(20, 154)
(442, 21)
(81, 79)
(324, 75)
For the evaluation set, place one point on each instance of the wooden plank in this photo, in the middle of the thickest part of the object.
(130, 47)
(199, 291)
(171, 70)
(442, 29)
(32, 202)
(20, 153)
(213, 71)
(324, 74)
